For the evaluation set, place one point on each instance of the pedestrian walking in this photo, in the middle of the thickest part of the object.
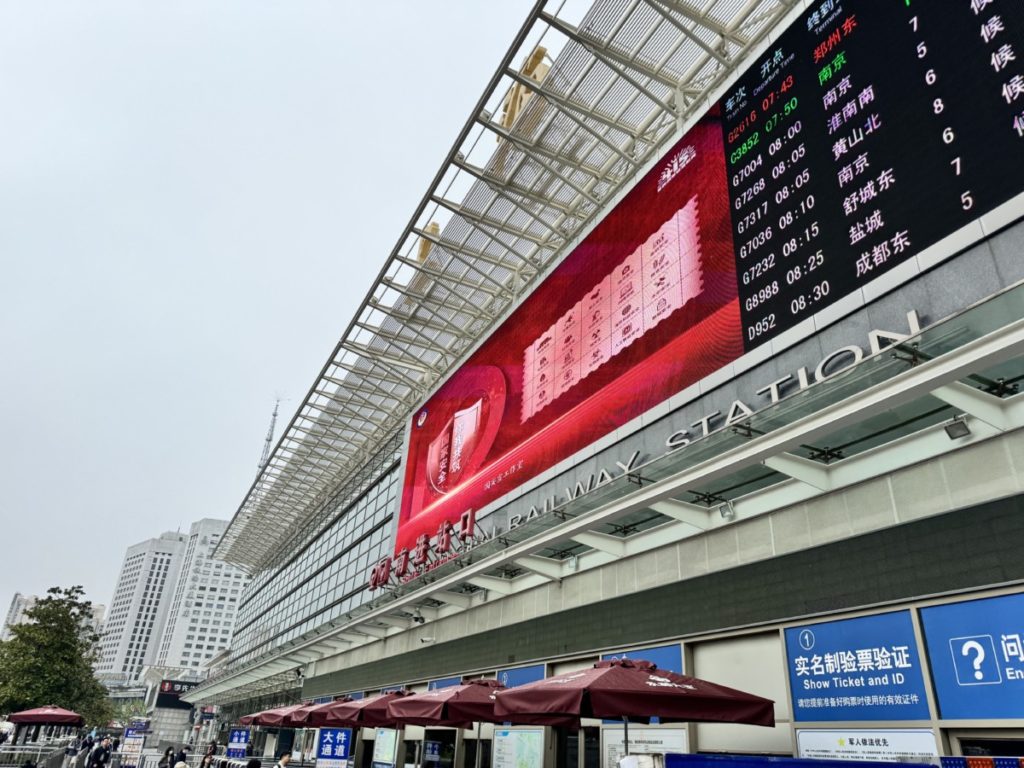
(99, 756)
(183, 755)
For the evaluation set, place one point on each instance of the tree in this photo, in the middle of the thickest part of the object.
(49, 659)
(131, 709)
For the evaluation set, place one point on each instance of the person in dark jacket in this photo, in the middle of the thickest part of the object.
(183, 754)
(99, 756)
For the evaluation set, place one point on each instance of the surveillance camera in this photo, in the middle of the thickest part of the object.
(417, 619)
(426, 639)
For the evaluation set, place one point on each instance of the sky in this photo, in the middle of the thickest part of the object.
(195, 197)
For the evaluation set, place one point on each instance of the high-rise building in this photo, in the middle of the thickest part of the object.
(205, 602)
(99, 613)
(138, 610)
(20, 605)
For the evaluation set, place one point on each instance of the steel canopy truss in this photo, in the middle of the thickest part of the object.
(509, 201)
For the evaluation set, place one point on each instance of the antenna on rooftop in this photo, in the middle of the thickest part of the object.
(269, 441)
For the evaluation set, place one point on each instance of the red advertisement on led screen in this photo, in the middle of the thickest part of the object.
(645, 306)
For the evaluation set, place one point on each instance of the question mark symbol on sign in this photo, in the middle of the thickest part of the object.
(974, 645)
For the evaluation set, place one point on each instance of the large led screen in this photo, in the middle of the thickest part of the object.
(865, 134)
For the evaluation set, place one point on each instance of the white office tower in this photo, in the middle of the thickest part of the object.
(16, 613)
(138, 610)
(204, 605)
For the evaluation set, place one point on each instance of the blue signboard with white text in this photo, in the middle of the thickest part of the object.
(976, 654)
(432, 751)
(510, 678)
(668, 657)
(444, 682)
(856, 669)
(333, 746)
(238, 742)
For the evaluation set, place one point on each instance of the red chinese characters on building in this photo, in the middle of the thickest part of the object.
(406, 564)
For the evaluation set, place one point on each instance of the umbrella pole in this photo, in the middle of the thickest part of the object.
(479, 744)
(625, 733)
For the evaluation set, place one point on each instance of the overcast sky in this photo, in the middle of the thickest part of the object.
(194, 198)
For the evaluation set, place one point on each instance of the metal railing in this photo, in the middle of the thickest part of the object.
(49, 754)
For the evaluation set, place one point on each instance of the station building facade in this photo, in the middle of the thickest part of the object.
(806, 487)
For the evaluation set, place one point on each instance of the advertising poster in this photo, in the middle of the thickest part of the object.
(856, 669)
(333, 746)
(385, 748)
(645, 306)
(890, 745)
(976, 654)
(238, 742)
(518, 748)
(642, 741)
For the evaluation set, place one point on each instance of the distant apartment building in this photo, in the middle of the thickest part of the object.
(205, 603)
(139, 608)
(22, 604)
(16, 614)
(99, 614)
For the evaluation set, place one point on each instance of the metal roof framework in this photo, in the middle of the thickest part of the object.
(510, 201)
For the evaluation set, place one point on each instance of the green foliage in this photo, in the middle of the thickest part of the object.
(131, 709)
(49, 659)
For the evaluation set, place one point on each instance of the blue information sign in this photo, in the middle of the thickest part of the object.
(976, 653)
(238, 742)
(443, 682)
(668, 657)
(510, 678)
(432, 751)
(332, 745)
(856, 669)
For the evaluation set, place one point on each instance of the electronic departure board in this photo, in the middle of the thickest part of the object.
(869, 130)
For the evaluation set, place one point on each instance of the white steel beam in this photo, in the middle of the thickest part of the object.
(684, 512)
(543, 566)
(806, 471)
(613, 545)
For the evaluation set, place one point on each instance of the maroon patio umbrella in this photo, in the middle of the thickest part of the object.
(48, 715)
(630, 690)
(250, 718)
(275, 718)
(314, 715)
(456, 706)
(367, 713)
